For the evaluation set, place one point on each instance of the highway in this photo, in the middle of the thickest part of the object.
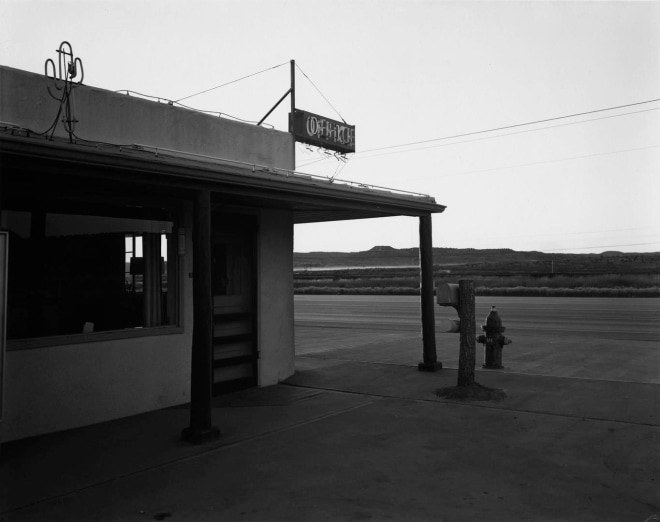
(612, 338)
(607, 318)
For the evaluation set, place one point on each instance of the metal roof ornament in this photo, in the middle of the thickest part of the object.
(60, 84)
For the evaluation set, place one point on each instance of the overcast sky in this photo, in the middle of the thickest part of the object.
(411, 72)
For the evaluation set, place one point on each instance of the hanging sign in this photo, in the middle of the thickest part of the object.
(323, 132)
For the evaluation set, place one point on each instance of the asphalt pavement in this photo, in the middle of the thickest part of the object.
(591, 338)
(349, 437)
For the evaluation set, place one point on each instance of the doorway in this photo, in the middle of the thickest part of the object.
(235, 351)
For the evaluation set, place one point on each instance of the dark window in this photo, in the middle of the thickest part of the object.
(73, 273)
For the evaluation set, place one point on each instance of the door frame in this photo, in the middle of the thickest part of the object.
(242, 226)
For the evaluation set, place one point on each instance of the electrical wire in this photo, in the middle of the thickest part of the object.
(482, 138)
(55, 121)
(229, 83)
(605, 246)
(538, 163)
(563, 235)
(360, 157)
(557, 160)
(510, 126)
(342, 161)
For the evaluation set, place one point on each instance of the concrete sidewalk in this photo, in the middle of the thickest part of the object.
(346, 440)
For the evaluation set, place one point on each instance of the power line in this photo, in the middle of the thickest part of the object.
(557, 160)
(359, 157)
(606, 246)
(539, 162)
(228, 83)
(500, 239)
(511, 133)
(564, 234)
(509, 126)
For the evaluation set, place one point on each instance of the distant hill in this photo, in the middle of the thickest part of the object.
(485, 260)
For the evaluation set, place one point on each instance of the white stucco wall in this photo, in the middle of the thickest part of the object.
(275, 302)
(62, 387)
(67, 386)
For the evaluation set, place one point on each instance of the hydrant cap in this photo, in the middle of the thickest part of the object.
(493, 320)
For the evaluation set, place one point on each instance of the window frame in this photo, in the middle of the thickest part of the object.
(176, 208)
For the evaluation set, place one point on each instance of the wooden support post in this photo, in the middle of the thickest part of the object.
(466, 357)
(430, 362)
(201, 383)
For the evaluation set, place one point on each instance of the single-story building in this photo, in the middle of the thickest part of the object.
(147, 254)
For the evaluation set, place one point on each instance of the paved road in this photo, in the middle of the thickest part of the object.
(613, 318)
(610, 338)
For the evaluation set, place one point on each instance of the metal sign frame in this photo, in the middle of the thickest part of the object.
(323, 132)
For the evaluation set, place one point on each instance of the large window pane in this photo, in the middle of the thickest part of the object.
(78, 273)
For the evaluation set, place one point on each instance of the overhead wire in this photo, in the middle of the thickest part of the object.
(563, 235)
(557, 160)
(342, 161)
(605, 246)
(511, 126)
(481, 138)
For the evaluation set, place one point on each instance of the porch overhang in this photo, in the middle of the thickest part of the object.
(310, 198)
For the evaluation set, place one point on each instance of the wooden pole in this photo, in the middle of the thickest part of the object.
(430, 361)
(201, 383)
(467, 354)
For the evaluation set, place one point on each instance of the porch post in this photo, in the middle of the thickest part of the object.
(201, 379)
(430, 362)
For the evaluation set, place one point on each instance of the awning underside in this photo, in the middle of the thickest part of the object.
(310, 199)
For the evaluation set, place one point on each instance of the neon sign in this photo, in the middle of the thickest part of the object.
(323, 132)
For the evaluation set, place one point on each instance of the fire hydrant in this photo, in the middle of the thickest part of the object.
(493, 340)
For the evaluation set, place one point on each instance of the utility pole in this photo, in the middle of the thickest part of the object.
(467, 354)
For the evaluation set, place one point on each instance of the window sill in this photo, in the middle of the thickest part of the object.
(92, 337)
